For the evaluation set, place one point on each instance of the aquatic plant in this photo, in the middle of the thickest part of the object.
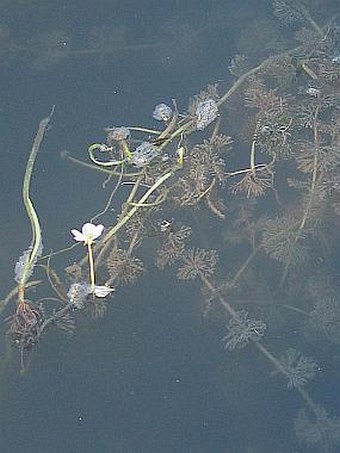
(320, 430)
(242, 206)
(197, 262)
(123, 268)
(88, 234)
(299, 369)
(242, 330)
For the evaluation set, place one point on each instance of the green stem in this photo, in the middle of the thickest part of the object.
(250, 73)
(131, 212)
(134, 209)
(36, 243)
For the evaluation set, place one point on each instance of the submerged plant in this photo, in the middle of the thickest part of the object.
(299, 369)
(123, 268)
(197, 262)
(283, 241)
(88, 234)
(319, 430)
(220, 214)
(242, 330)
(27, 261)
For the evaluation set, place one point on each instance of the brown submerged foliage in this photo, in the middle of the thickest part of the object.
(123, 268)
(247, 207)
(255, 183)
(172, 246)
(196, 263)
(207, 167)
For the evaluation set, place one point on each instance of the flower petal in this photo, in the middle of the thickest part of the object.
(92, 231)
(87, 229)
(102, 291)
(78, 236)
(99, 230)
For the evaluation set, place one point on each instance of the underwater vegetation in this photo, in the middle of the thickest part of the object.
(268, 183)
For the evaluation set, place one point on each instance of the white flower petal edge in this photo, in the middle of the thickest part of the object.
(78, 236)
(92, 231)
(88, 233)
(102, 291)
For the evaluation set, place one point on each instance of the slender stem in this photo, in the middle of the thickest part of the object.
(36, 242)
(14, 292)
(276, 362)
(134, 209)
(91, 266)
(51, 319)
(109, 201)
(130, 213)
(251, 72)
(311, 191)
(314, 174)
(253, 146)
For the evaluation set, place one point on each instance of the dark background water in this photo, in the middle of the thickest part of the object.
(152, 375)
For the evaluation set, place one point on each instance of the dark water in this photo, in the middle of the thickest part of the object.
(151, 376)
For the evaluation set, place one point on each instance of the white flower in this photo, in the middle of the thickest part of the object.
(102, 291)
(89, 232)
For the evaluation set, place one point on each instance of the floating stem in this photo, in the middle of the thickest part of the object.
(36, 242)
